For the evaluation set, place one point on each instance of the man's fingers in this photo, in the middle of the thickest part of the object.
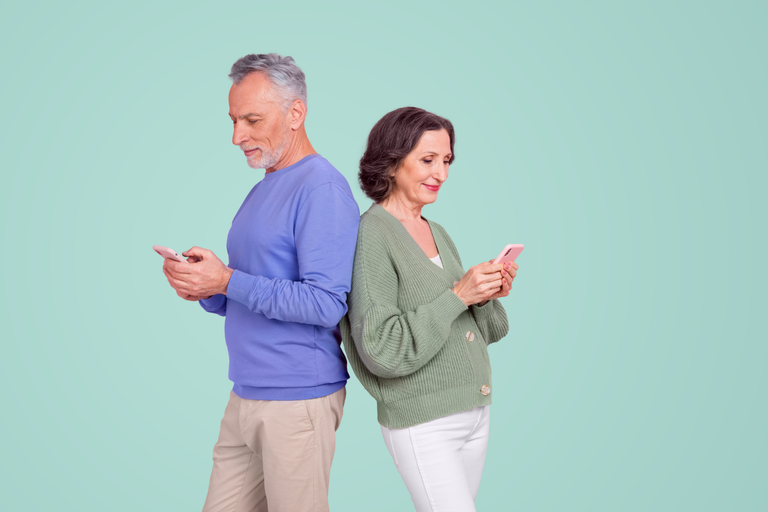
(176, 284)
(169, 276)
(198, 252)
(177, 267)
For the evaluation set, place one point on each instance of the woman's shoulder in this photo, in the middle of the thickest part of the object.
(372, 223)
(373, 232)
(376, 220)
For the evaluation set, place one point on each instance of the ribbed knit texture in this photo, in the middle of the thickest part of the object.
(406, 333)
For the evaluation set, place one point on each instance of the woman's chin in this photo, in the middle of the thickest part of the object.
(429, 198)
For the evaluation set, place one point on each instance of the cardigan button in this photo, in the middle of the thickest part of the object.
(470, 336)
(485, 390)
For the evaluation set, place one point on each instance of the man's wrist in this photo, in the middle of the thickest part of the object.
(227, 275)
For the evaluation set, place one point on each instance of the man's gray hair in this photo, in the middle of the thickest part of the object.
(282, 72)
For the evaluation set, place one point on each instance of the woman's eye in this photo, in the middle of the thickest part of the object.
(427, 161)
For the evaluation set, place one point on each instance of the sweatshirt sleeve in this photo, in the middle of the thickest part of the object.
(491, 319)
(325, 233)
(393, 343)
(215, 304)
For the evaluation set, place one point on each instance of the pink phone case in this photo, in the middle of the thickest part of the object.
(168, 253)
(509, 253)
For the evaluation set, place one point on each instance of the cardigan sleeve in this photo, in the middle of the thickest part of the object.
(491, 319)
(393, 343)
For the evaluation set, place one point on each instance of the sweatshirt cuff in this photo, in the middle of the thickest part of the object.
(240, 286)
(213, 303)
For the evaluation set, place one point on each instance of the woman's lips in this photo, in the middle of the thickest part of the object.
(433, 188)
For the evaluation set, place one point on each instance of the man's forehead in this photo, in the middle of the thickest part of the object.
(255, 90)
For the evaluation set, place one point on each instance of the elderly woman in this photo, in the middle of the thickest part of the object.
(418, 326)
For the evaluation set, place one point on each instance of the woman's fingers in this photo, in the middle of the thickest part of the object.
(484, 281)
(486, 271)
(492, 286)
(490, 268)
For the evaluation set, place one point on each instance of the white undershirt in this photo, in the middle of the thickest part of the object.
(437, 261)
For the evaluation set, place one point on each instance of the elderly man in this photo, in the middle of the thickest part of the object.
(291, 247)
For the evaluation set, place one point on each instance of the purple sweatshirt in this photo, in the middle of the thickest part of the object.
(292, 245)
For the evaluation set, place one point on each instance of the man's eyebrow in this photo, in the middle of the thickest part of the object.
(250, 114)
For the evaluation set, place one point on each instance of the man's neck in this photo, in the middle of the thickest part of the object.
(295, 151)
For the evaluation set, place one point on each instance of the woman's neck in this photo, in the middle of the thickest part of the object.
(402, 209)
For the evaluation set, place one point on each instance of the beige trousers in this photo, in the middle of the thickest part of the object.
(275, 455)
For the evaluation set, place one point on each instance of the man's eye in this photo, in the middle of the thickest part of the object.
(253, 121)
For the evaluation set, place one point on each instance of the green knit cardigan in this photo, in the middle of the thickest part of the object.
(414, 345)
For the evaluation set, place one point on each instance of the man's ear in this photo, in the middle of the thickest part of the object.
(297, 113)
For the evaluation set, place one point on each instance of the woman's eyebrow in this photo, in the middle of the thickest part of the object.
(430, 152)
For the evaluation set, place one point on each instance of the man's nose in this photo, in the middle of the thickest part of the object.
(239, 136)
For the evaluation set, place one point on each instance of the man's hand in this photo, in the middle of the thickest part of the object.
(201, 277)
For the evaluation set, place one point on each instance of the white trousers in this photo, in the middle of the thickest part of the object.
(441, 461)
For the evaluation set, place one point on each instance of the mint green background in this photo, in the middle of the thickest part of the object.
(623, 142)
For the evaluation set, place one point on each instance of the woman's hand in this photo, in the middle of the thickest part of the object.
(481, 283)
(508, 273)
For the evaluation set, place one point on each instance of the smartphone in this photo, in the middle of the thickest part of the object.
(509, 253)
(168, 253)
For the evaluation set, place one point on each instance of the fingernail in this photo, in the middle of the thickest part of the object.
(506, 265)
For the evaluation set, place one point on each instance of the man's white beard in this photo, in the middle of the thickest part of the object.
(267, 159)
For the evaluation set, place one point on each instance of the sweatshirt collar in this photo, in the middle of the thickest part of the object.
(286, 170)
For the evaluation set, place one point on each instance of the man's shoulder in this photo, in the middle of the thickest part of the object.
(319, 171)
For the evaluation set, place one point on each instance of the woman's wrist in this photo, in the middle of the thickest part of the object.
(460, 297)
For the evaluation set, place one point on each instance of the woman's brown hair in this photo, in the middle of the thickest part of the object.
(390, 141)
